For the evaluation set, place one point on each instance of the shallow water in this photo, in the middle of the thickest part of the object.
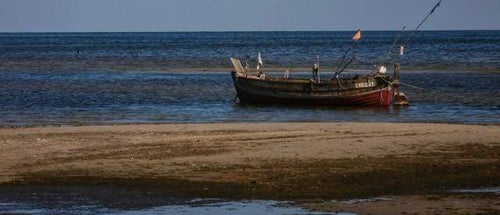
(71, 97)
(230, 207)
(106, 78)
(108, 200)
(492, 190)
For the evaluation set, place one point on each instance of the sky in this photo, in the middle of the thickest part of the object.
(243, 15)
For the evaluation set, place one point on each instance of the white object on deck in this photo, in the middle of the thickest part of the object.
(382, 70)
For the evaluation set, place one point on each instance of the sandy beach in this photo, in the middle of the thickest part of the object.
(410, 162)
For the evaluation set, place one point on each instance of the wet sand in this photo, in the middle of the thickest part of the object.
(280, 161)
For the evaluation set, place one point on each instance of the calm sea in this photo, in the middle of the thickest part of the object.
(104, 78)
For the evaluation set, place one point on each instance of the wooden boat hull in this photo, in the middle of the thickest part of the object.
(371, 91)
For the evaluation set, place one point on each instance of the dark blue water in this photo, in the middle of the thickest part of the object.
(443, 50)
(105, 78)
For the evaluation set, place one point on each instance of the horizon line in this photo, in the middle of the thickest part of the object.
(229, 31)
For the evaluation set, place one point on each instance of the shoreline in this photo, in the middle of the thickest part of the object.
(274, 161)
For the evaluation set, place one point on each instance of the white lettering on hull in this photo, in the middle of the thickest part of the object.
(365, 84)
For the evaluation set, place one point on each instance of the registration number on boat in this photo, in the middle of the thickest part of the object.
(365, 84)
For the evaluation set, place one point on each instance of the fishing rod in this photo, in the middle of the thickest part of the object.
(428, 15)
(422, 22)
(396, 40)
(355, 38)
(346, 65)
(343, 58)
(339, 70)
(388, 57)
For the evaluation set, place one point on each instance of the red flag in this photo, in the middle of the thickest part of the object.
(357, 35)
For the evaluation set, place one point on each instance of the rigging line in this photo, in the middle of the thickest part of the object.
(401, 83)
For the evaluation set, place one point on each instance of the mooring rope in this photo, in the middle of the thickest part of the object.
(409, 85)
(405, 84)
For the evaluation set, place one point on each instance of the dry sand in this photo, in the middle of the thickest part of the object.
(262, 160)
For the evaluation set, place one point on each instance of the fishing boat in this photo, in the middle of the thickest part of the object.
(374, 89)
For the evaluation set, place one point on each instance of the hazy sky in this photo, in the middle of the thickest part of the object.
(242, 15)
